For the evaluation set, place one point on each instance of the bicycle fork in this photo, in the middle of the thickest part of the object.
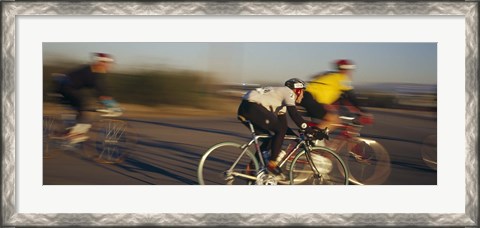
(316, 173)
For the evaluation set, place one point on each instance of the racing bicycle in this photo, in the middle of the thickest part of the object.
(110, 139)
(368, 160)
(233, 163)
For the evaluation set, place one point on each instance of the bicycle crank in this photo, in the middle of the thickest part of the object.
(266, 179)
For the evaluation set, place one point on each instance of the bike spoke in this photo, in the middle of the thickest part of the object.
(217, 165)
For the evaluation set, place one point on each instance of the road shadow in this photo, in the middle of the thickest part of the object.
(205, 130)
(150, 165)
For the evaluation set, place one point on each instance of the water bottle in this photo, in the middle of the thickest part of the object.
(266, 156)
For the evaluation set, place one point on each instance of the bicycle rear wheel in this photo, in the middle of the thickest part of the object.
(111, 141)
(217, 167)
(332, 169)
(53, 129)
(373, 167)
(429, 151)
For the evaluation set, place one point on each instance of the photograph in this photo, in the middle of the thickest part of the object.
(183, 113)
(239, 113)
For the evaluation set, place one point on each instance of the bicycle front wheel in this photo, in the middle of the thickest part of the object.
(373, 167)
(332, 170)
(111, 141)
(217, 166)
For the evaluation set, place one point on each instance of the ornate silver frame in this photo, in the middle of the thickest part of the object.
(11, 9)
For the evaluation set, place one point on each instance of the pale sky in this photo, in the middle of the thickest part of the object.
(265, 61)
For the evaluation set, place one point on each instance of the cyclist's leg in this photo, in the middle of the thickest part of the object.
(276, 124)
(264, 121)
(73, 98)
(247, 113)
(277, 140)
(314, 109)
(331, 119)
(78, 133)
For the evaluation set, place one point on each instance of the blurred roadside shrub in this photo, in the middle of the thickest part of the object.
(184, 88)
(152, 88)
(382, 100)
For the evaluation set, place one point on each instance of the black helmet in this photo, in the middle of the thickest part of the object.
(295, 83)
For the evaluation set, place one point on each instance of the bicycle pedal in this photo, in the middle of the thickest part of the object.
(78, 139)
(272, 179)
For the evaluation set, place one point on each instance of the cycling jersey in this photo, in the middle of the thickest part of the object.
(72, 84)
(274, 99)
(327, 88)
(84, 77)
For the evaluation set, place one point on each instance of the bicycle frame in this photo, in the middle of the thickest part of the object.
(304, 149)
(347, 137)
(301, 143)
(244, 148)
(348, 132)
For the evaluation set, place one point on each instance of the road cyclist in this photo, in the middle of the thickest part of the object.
(266, 109)
(263, 111)
(330, 101)
(75, 118)
(71, 87)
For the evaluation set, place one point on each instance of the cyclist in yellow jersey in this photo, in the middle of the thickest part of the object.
(324, 93)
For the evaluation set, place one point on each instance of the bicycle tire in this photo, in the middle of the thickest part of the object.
(218, 159)
(374, 169)
(429, 151)
(333, 171)
(111, 141)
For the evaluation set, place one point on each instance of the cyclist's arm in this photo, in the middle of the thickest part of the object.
(100, 88)
(102, 94)
(295, 116)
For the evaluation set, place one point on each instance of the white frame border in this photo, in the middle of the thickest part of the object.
(11, 9)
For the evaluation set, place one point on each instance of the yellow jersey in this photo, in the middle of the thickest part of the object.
(327, 88)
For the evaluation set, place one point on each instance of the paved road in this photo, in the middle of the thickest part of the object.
(168, 151)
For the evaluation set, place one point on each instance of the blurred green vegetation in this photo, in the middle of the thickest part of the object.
(151, 88)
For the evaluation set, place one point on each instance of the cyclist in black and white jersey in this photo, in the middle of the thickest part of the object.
(266, 107)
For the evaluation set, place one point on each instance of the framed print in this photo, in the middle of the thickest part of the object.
(254, 44)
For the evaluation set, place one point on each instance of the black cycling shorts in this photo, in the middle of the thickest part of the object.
(262, 119)
(265, 122)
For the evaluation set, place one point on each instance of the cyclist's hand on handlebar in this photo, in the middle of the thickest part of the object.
(322, 133)
(309, 131)
(110, 103)
(365, 118)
